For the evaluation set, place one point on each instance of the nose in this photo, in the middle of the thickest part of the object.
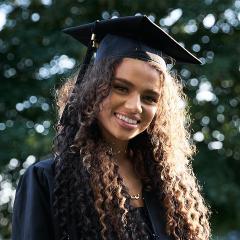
(133, 103)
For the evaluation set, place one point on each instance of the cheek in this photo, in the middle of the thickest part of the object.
(150, 116)
(105, 104)
(152, 112)
(104, 108)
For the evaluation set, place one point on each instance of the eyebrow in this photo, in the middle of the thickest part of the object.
(149, 91)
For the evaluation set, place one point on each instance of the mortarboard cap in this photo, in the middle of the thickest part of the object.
(132, 36)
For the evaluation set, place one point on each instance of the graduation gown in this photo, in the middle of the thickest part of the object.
(33, 213)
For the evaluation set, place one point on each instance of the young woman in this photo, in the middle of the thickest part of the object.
(122, 165)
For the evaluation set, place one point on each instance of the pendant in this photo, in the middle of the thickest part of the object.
(135, 196)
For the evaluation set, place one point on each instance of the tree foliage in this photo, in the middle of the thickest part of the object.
(35, 56)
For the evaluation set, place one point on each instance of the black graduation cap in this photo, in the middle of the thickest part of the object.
(132, 36)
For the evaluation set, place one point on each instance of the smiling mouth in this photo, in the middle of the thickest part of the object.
(127, 119)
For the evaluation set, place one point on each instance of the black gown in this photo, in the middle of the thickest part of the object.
(33, 212)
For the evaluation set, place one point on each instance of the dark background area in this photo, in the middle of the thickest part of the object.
(35, 57)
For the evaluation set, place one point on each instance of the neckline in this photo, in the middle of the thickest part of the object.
(134, 208)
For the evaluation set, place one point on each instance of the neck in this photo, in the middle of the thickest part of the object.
(119, 150)
(119, 147)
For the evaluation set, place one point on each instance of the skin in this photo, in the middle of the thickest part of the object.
(134, 94)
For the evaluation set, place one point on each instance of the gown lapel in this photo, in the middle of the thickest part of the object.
(156, 215)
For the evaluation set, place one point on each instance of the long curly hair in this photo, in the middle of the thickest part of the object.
(89, 192)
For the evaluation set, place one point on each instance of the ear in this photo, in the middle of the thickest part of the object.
(100, 106)
(103, 103)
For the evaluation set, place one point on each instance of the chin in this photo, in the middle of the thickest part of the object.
(125, 137)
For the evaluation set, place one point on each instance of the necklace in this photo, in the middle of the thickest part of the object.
(135, 197)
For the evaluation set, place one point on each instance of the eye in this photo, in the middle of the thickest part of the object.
(120, 88)
(150, 99)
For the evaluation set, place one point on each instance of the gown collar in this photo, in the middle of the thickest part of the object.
(156, 215)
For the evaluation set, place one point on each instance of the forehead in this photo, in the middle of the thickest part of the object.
(139, 73)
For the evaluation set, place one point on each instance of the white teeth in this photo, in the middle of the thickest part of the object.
(126, 119)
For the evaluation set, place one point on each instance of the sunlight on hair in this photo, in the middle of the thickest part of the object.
(181, 104)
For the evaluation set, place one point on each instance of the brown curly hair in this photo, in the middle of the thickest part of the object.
(87, 174)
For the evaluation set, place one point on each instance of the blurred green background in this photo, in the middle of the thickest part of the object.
(35, 56)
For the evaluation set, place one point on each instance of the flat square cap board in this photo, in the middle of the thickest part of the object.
(132, 36)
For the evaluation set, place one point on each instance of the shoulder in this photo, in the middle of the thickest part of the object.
(45, 167)
(46, 164)
(39, 174)
(32, 210)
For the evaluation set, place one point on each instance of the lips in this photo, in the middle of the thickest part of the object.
(127, 119)
(125, 122)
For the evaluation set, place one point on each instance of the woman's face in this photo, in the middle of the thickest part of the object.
(132, 102)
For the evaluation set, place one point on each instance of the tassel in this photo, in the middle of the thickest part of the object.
(90, 51)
